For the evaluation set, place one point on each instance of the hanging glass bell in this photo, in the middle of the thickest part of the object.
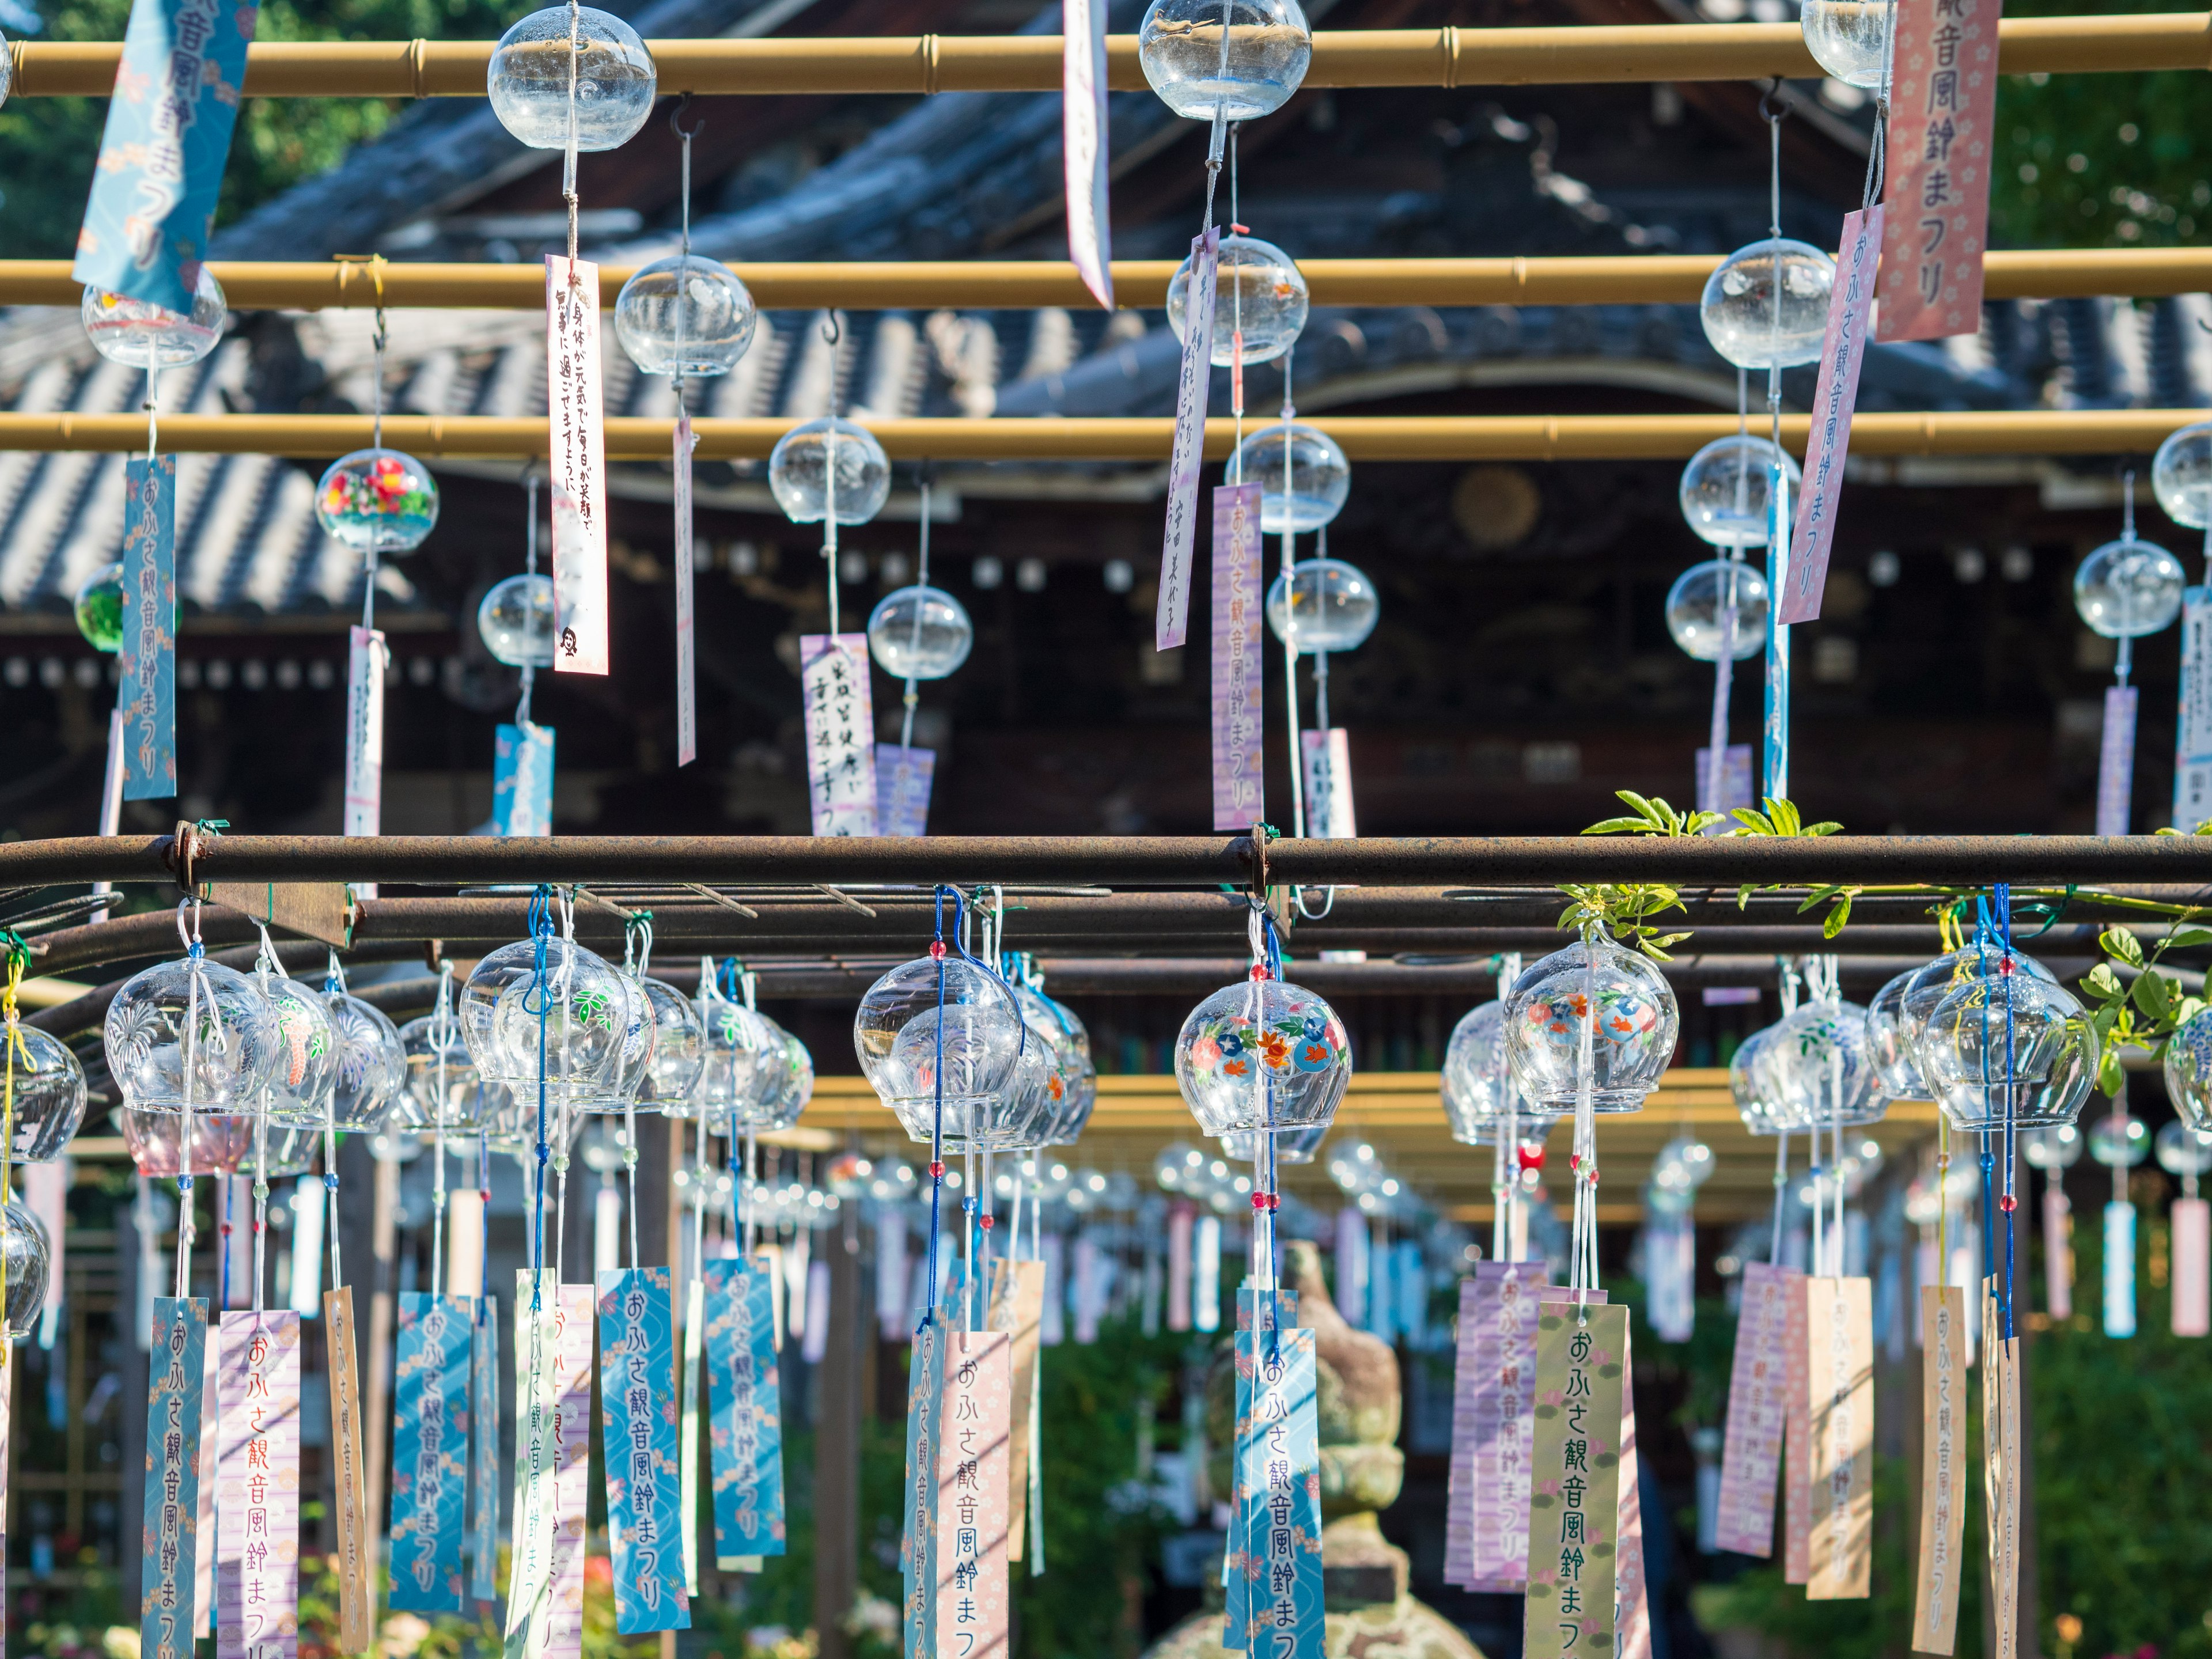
(515, 621)
(151, 1023)
(1821, 1063)
(790, 1082)
(2181, 476)
(799, 472)
(1262, 1054)
(304, 1078)
(1766, 305)
(689, 316)
(49, 1095)
(737, 1075)
(2188, 1069)
(442, 1084)
(2118, 1141)
(28, 1259)
(371, 1063)
(1619, 998)
(506, 1005)
(140, 334)
(625, 1085)
(1900, 1013)
(217, 1141)
(2129, 588)
(919, 633)
(1716, 606)
(1259, 292)
(679, 1051)
(1302, 476)
(377, 498)
(2006, 1047)
(1849, 39)
(530, 72)
(1724, 491)
(2057, 1148)
(1234, 59)
(1081, 1075)
(923, 1047)
(1478, 1090)
(1751, 1080)
(1323, 605)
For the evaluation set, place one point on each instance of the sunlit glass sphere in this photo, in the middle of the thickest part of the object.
(2129, 588)
(2181, 476)
(216, 1142)
(100, 608)
(306, 1076)
(625, 1084)
(737, 1077)
(47, 1082)
(2188, 1069)
(1259, 293)
(2008, 1047)
(443, 1086)
(1056, 1075)
(1900, 1010)
(577, 1004)
(1766, 305)
(142, 335)
(1323, 605)
(1849, 39)
(1753, 1086)
(1683, 1165)
(2182, 1150)
(377, 498)
(684, 315)
(516, 622)
(1821, 1063)
(2052, 1149)
(1632, 1038)
(216, 1013)
(531, 71)
(1718, 607)
(789, 1081)
(1180, 47)
(1262, 1054)
(1724, 491)
(1302, 476)
(799, 472)
(679, 1048)
(1478, 1090)
(371, 1063)
(28, 1257)
(919, 634)
(940, 1040)
(2118, 1142)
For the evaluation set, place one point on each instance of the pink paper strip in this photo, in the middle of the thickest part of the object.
(2116, 762)
(2192, 1267)
(1632, 1604)
(1835, 395)
(1486, 1505)
(1239, 793)
(840, 733)
(2058, 1252)
(1757, 1409)
(687, 673)
(203, 1510)
(1083, 143)
(1942, 113)
(579, 466)
(1797, 1455)
(973, 1470)
(1171, 621)
(572, 1450)
(257, 1563)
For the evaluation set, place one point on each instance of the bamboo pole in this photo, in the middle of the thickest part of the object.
(1341, 57)
(1138, 284)
(1363, 438)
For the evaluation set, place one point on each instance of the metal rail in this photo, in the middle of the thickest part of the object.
(1138, 284)
(1363, 438)
(1341, 58)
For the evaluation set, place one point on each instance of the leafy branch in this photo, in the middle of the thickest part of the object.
(1623, 907)
(2145, 1014)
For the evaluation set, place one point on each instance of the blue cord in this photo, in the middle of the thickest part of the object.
(937, 1126)
(541, 929)
(2003, 899)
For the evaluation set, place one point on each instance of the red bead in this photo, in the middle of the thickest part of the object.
(936, 949)
(1274, 1201)
(1574, 1160)
(937, 1172)
(1259, 1201)
(1531, 1158)
(1593, 1175)
(986, 1223)
(2008, 1203)
(1259, 971)
(2005, 962)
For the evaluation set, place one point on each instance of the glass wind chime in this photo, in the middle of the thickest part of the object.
(1484, 1109)
(914, 634)
(2124, 591)
(2181, 478)
(515, 620)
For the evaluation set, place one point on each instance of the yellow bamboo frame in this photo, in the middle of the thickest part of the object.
(1656, 279)
(936, 63)
(1364, 438)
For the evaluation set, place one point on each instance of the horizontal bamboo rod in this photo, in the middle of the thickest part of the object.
(1341, 57)
(1138, 284)
(1363, 438)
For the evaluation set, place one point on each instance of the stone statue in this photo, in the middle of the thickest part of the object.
(1363, 1578)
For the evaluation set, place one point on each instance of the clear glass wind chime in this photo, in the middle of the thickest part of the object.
(2124, 591)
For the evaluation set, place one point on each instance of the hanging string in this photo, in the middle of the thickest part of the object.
(1583, 1255)
(636, 962)
(684, 207)
(2006, 1201)
(265, 965)
(2123, 658)
(1290, 612)
(922, 580)
(1213, 148)
(196, 955)
(541, 930)
(937, 949)
(376, 441)
(565, 980)
(529, 674)
(441, 1035)
(833, 331)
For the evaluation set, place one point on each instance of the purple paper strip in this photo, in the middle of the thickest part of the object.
(1171, 622)
(1835, 395)
(840, 733)
(256, 1562)
(1487, 1511)
(2116, 762)
(1758, 1404)
(687, 678)
(1239, 796)
(903, 780)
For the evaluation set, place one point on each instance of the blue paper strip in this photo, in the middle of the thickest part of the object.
(1282, 1471)
(745, 1427)
(147, 658)
(522, 780)
(146, 224)
(430, 1452)
(173, 1416)
(1777, 636)
(637, 1417)
(483, 1414)
(1244, 1557)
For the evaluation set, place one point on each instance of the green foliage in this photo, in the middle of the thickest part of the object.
(47, 145)
(2144, 1014)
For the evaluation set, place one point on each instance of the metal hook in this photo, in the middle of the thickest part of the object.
(833, 328)
(1771, 113)
(676, 119)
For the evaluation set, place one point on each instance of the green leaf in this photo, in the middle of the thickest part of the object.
(2188, 938)
(1837, 918)
(1743, 893)
(1826, 827)
(2153, 994)
(2102, 981)
(1669, 938)
(1617, 827)
(2120, 943)
(1819, 896)
(2112, 1076)
(1784, 813)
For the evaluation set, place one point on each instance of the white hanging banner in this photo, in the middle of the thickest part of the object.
(1172, 621)
(1083, 143)
(579, 465)
(687, 690)
(2193, 726)
(2115, 761)
(841, 722)
(364, 756)
(1835, 395)
(1328, 756)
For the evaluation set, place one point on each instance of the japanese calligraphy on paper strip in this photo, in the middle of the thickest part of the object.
(746, 1430)
(1758, 1412)
(1942, 108)
(1839, 1379)
(1942, 1466)
(146, 659)
(430, 1451)
(578, 467)
(257, 1563)
(637, 1413)
(176, 1376)
(1281, 1475)
(1239, 800)
(1193, 381)
(1486, 1512)
(975, 1421)
(1574, 1504)
(840, 733)
(484, 1385)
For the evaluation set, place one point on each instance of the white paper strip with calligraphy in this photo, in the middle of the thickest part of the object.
(1942, 110)
(974, 1421)
(257, 1563)
(1487, 1502)
(177, 1375)
(579, 465)
(1083, 143)
(1328, 784)
(1942, 1466)
(1239, 796)
(1193, 381)
(1796, 1456)
(364, 756)
(2192, 1266)
(1835, 395)
(1839, 1371)
(1575, 1479)
(2116, 762)
(2193, 734)
(903, 780)
(840, 733)
(1758, 1411)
